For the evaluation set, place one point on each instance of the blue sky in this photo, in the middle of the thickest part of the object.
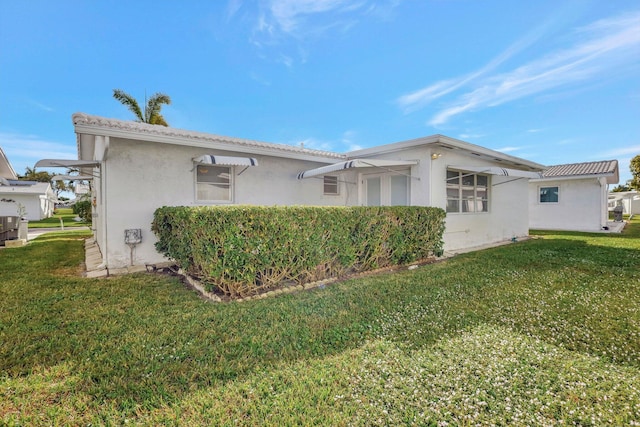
(550, 81)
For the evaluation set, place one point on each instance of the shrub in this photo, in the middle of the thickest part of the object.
(82, 208)
(242, 250)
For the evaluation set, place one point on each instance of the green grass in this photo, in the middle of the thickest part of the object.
(535, 333)
(68, 219)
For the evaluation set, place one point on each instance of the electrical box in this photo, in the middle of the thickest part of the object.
(133, 236)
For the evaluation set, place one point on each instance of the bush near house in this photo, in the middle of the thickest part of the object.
(243, 250)
(82, 208)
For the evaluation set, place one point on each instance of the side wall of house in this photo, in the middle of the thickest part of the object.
(33, 204)
(138, 177)
(506, 219)
(507, 216)
(580, 207)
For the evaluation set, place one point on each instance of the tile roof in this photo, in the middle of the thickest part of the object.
(82, 119)
(605, 167)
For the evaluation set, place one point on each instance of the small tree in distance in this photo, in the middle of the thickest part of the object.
(635, 171)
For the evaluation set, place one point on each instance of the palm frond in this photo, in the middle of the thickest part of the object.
(154, 105)
(129, 102)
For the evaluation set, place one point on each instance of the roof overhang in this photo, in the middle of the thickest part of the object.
(355, 163)
(88, 128)
(495, 170)
(611, 178)
(442, 144)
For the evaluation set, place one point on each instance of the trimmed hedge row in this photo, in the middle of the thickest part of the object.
(243, 250)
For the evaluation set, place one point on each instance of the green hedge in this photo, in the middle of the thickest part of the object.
(243, 250)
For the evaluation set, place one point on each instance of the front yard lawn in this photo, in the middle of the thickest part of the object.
(542, 332)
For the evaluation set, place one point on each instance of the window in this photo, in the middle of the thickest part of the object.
(331, 185)
(467, 192)
(548, 194)
(213, 183)
(386, 190)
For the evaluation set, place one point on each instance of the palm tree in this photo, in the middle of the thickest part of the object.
(151, 113)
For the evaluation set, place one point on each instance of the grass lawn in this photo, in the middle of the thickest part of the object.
(68, 219)
(542, 332)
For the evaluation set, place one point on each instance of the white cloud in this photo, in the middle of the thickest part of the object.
(599, 49)
(281, 24)
(509, 149)
(288, 14)
(424, 96)
(25, 150)
(623, 151)
(40, 105)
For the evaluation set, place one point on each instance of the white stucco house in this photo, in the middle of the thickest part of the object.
(572, 197)
(629, 200)
(36, 198)
(137, 168)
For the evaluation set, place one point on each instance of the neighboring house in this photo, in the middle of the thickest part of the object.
(37, 199)
(629, 200)
(572, 196)
(139, 167)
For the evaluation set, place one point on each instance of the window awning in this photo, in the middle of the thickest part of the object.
(209, 159)
(355, 163)
(65, 163)
(71, 178)
(495, 170)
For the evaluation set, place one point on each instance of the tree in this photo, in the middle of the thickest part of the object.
(151, 113)
(44, 176)
(31, 175)
(635, 171)
(622, 187)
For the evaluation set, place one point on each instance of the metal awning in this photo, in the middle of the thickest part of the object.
(209, 159)
(71, 178)
(355, 163)
(65, 163)
(495, 170)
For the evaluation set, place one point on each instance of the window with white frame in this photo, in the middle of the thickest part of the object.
(467, 192)
(213, 183)
(549, 194)
(331, 185)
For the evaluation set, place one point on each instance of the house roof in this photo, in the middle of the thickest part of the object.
(88, 125)
(42, 188)
(6, 170)
(601, 169)
(442, 144)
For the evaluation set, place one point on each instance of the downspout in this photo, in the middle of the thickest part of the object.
(604, 211)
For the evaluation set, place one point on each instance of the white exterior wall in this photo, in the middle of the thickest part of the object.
(582, 205)
(38, 206)
(508, 214)
(630, 201)
(138, 177)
